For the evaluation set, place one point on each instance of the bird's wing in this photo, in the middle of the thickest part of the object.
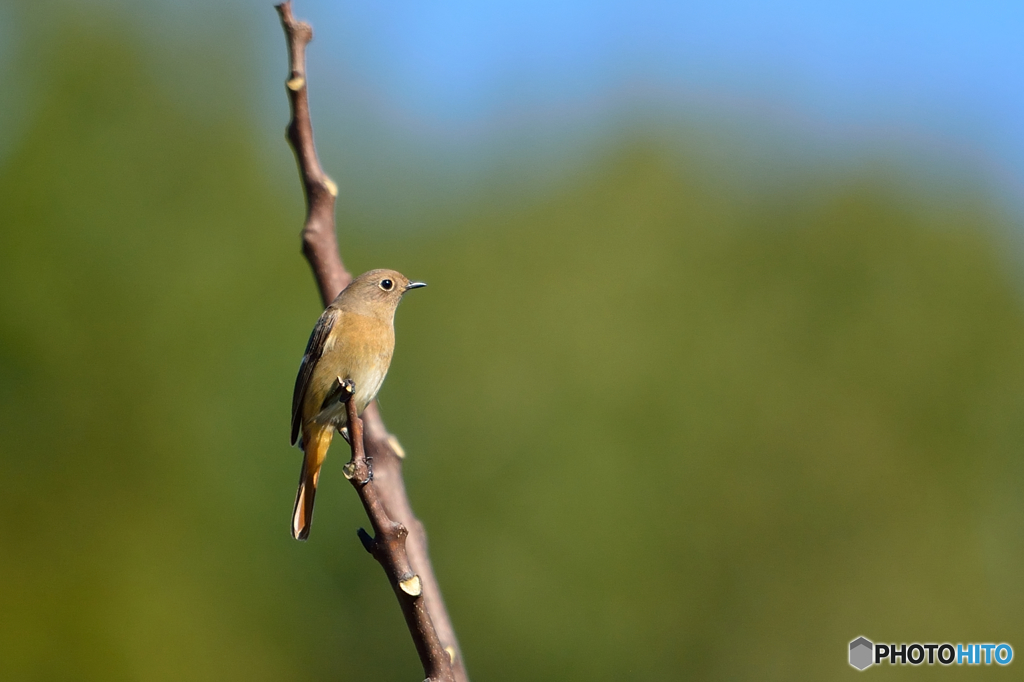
(314, 349)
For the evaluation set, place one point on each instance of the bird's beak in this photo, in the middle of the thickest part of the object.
(415, 285)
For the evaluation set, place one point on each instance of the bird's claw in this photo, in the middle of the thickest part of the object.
(345, 388)
(341, 391)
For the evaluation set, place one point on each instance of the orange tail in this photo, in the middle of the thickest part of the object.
(315, 446)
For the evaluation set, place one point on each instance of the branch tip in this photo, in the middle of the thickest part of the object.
(365, 538)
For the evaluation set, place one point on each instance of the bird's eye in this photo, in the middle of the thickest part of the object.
(387, 284)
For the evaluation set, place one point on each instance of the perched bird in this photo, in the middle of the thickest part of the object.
(353, 341)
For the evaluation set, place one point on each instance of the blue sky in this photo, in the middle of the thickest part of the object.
(929, 80)
(853, 60)
(405, 82)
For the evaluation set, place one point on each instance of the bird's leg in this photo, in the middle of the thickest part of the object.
(346, 388)
(353, 433)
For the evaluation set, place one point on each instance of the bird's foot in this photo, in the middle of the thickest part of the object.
(341, 391)
(348, 387)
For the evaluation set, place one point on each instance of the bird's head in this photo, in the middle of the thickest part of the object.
(376, 293)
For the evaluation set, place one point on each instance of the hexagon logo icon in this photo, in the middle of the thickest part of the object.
(861, 651)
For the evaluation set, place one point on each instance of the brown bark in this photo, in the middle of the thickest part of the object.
(399, 543)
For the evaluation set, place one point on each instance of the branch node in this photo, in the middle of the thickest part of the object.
(349, 470)
(412, 586)
(394, 532)
(295, 84)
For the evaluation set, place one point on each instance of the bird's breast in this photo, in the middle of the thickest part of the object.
(360, 349)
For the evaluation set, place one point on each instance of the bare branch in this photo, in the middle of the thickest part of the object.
(320, 246)
(319, 241)
(386, 454)
(388, 547)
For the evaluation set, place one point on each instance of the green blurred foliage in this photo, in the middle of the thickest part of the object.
(656, 430)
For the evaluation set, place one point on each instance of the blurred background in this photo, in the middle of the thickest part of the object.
(721, 364)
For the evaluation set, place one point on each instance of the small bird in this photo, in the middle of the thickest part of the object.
(353, 340)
